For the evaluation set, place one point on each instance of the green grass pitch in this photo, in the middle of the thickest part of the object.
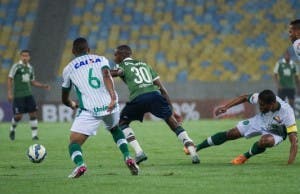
(167, 170)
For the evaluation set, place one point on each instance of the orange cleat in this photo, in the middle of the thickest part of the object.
(241, 159)
(186, 150)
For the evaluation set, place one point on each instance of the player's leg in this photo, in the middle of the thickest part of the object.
(133, 111)
(111, 124)
(83, 126)
(31, 108)
(14, 123)
(219, 138)
(33, 121)
(76, 141)
(183, 136)
(291, 97)
(18, 110)
(266, 141)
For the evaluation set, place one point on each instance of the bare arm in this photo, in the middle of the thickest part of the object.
(276, 80)
(66, 101)
(165, 94)
(294, 147)
(109, 84)
(9, 89)
(116, 72)
(234, 102)
(40, 85)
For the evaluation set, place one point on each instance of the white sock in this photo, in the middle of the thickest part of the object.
(34, 129)
(129, 134)
(183, 136)
(14, 124)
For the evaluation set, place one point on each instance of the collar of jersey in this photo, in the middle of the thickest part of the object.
(21, 62)
(128, 58)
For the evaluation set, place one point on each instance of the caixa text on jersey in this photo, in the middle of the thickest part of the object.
(86, 62)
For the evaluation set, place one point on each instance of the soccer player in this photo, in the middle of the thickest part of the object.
(20, 78)
(147, 94)
(286, 78)
(294, 33)
(98, 101)
(274, 123)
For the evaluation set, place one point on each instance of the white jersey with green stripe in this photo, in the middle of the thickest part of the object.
(85, 74)
(296, 46)
(283, 116)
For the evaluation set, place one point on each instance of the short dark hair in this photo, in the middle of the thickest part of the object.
(267, 96)
(80, 45)
(25, 51)
(295, 23)
(124, 50)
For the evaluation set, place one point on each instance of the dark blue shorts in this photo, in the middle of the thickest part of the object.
(152, 102)
(24, 104)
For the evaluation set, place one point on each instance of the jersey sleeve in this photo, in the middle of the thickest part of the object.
(276, 68)
(296, 46)
(290, 122)
(66, 80)
(104, 63)
(12, 71)
(32, 75)
(253, 98)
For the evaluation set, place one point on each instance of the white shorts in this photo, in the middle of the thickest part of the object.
(254, 127)
(87, 124)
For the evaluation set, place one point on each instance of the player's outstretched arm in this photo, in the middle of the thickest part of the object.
(294, 147)
(9, 89)
(40, 85)
(109, 84)
(236, 101)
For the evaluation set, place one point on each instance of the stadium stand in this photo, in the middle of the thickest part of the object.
(16, 23)
(189, 40)
(216, 40)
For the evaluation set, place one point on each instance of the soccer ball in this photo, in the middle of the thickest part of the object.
(36, 153)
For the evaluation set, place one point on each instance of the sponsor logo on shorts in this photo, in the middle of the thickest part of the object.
(246, 122)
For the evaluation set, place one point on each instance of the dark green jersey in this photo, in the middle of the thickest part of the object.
(286, 73)
(138, 76)
(22, 75)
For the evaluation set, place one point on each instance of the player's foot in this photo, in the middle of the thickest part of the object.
(12, 135)
(133, 167)
(140, 158)
(186, 151)
(195, 159)
(35, 138)
(78, 171)
(241, 159)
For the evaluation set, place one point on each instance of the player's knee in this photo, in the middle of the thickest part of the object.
(233, 134)
(266, 141)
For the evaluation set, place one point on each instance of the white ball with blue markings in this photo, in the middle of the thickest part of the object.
(36, 153)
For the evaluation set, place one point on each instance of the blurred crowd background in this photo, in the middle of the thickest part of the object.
(200, 48)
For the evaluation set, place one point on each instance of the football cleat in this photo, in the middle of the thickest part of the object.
(140, 158)
(186, 151)
(78, 171)
(133, 167)
(12, 135)
(241, 159)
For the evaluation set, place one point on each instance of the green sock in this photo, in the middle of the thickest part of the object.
(120, 140)
(76, 153)
(216, 139)
(255, 149)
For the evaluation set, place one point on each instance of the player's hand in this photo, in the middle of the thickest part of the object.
(178, 117)
(73, 105)
(111, 105)
(46, 87)
(220, 110)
